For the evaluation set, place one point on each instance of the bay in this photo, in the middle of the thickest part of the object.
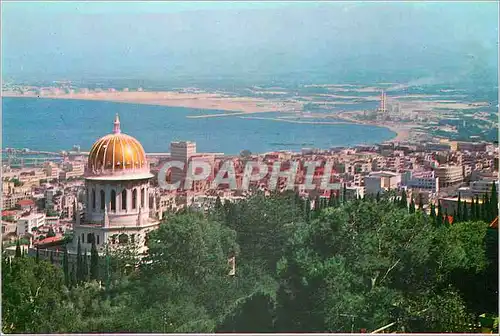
(58, 124)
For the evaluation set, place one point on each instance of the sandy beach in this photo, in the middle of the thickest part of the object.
(176, 99)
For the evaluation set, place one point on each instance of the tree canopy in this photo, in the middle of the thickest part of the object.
(342, 267)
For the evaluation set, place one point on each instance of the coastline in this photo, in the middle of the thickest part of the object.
(204, 101)
(240, 106)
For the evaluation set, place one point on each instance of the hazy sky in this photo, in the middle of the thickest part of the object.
(261, 41)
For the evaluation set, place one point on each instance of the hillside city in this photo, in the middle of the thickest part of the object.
(40, 203)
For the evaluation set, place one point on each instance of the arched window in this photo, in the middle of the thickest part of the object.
(113, 200)
(134, 199)
(124, 199)
(103, 199)
(143, 197)
(93, 198)
(122, 239)
(83, 238)
(89, 237)
(97, 239)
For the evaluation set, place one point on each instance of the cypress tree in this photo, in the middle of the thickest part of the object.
(37, 254)
(73, 277)
(218, 203)
(459, 209)
(297, 200)
(494, 201)
(85, 266)
(308, 209)
(94, 261)
(439, 217)
(344, 194)
(465, 212)
(18, 249)
(336, 200)
(404, 200)
(486, 208)
(331, 199)
(472, 209)
(108, 272)
(52, 257)
(317, 206)
(377, 198)
(412, 206)
(478, 209)
(420, 202)
(433, 213)
(66, 267)
(79, 262)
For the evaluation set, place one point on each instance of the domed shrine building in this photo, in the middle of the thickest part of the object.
(117, 204)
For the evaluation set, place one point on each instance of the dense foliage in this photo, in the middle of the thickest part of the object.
(342, 266)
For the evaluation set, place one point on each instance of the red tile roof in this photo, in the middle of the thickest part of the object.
(49, 240)
(26, 202)
(9, 212)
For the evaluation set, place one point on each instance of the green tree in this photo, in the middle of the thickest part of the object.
(308, 209)
(73, 275)
(31, 296)
(331, 199)
(486, 208)
(420, 202)
(218, 204)
(37, 258)
(349, 261)
(79, 263)
(494, 201)
(433, 213)
(85, 263)
(458, 216)
(473, 209)
(439, 216)
(66, 267)
(259, 305)
(18, 249)
(317, 206)
(479, 213)
(404, 200)
(344, 193)
(412, 206)
(94, 262)
(465, 212)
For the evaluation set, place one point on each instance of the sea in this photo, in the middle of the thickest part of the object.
(57, 124)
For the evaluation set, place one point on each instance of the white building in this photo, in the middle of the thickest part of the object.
(378, 182)
(424, 180)
(449, 175)
(181, 151)
(482, 187)
(26, 224)
(117, 188)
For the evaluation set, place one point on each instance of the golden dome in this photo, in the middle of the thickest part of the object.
(116, 153)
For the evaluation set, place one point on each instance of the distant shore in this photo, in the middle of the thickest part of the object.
(205, 101)
(208, 101)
